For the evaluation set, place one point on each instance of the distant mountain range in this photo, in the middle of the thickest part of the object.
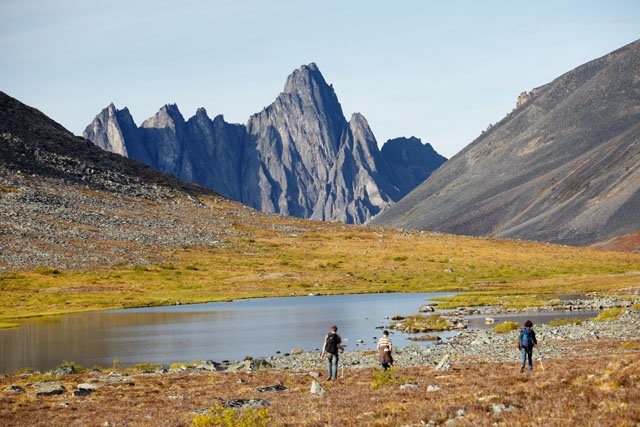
(299, 156)
(564, 166)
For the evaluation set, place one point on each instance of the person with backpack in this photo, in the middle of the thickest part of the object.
(384, 350)
(526, 342)
(332, 345)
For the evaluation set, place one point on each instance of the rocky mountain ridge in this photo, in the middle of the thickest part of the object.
(563, 166)
(299, 156)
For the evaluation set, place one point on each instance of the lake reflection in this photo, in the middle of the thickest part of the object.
(217, 331)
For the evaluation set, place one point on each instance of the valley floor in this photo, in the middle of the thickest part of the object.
(589, 379)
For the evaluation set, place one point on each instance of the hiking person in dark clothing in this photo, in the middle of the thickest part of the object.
(526, 342)
(332, 345)
(384, 351)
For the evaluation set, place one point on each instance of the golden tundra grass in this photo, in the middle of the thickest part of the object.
(263, 260)
(605, 387)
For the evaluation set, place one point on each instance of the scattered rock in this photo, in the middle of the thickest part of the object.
(444, 364)
(246, 403)
(316, 388)
(270, 388)
(297, 351)
(488, 398)
(63, 370)
(210, 365)
(14, 389)
(461, 412)
(314, 374)
(256, 364)
(427, 309)
(49, 389)
(82, 392)
(89, 386)
(433, 387)
(499, 408)
(238, 404)
(117, 379)
(409, 386)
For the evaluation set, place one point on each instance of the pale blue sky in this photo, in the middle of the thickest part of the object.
(439, 70)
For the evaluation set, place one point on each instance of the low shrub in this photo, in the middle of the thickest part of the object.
(180, 365)
(609, 314)
(387, 377)
(146, 366)
(232, 417)
(47, 271)
(631, 345)
(41, 378)
(505, 327)
(563, 322)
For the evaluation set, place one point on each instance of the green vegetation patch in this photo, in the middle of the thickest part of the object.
(422, 323)
(564, 322)
(387, 377)
(232, 417)
(8, 325)
(491, 298)
(631, 345)
(609, 314)
(505, 327)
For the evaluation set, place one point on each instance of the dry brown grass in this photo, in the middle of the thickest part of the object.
(606, 387)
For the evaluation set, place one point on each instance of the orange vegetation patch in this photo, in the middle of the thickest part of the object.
(625, 243)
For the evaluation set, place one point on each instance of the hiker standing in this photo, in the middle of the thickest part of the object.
(526, 342)
(384, 351)
(331, 347)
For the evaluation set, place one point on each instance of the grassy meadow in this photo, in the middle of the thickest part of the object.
(279, 256)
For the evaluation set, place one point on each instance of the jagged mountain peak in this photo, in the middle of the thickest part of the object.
(202, 112)
(168, 116)
(303, 77)
(359, 119)
(299, 156)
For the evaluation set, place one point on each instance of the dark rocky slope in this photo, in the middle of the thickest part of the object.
(299, 156)
(66, 203)
(564, 166)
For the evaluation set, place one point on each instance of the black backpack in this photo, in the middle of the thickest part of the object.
(332, 343)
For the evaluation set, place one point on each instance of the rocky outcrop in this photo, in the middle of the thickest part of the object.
(299, 156)
(411, 162)
(563, 167)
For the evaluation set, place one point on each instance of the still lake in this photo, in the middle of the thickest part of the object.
(215, 331)
(219, 331)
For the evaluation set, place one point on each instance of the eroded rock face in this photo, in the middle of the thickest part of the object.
(299, 156)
